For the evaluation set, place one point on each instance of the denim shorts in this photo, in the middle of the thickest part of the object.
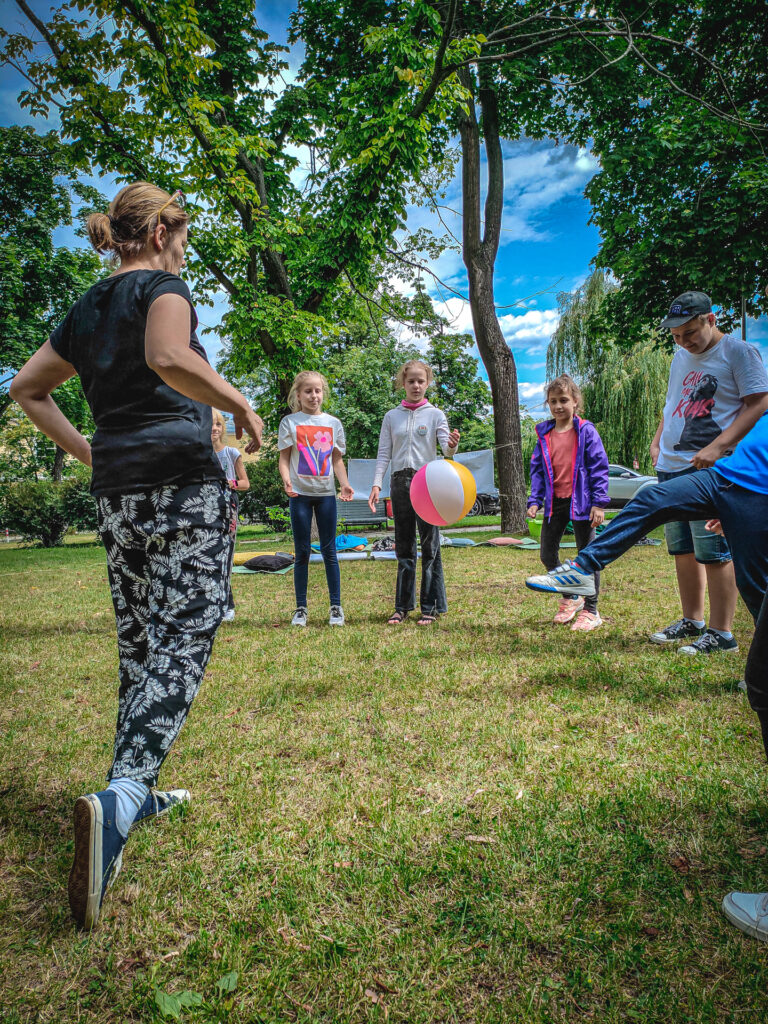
(692, 538)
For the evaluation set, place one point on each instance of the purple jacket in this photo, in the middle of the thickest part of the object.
(590, 471)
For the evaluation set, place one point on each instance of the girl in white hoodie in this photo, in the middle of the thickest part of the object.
(409, 437)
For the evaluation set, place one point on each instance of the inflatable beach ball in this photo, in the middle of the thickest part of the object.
(442, 492)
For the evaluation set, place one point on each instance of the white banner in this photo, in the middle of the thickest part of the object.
(480, 465)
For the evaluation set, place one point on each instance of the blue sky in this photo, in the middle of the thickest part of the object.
(547, 242)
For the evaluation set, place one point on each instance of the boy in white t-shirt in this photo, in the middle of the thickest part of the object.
(718, 389)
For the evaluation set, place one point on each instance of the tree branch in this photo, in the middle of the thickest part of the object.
(494, 197)
(437, 72)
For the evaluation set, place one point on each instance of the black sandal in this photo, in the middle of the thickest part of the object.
(425, 619)
(396, 618)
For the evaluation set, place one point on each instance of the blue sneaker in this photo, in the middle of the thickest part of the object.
(98, 856)
(567, 578)
(159, 802)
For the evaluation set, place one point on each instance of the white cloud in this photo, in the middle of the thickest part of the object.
(529, 331)
(530, 390)
(536, 176)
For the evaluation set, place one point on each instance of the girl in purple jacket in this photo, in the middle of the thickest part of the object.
(569, 481)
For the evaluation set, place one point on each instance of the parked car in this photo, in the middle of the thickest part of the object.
(624, 484)
(486, 505)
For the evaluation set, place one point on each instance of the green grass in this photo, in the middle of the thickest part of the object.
(489, 820)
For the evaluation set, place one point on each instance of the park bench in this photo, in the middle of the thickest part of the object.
(357, 513)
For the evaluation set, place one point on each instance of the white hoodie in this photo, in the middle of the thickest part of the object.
(409, 438)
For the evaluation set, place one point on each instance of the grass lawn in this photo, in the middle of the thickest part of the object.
(489, 820)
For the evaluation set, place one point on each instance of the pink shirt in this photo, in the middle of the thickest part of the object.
(562, 452)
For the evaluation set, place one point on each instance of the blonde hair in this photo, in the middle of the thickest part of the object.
(302, 378)
(133, 215)
(567, 384)
(218, 417)
(402, 372)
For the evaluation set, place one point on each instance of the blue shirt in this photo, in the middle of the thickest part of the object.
(748, 465)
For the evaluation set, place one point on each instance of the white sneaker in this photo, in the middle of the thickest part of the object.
(299, 616)
(229, 615)
(336, 617)
(749, 912)
(567, 578)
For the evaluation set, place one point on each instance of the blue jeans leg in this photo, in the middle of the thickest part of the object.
(301, 524)
(325, 514)
(702, 495)
(324, 508)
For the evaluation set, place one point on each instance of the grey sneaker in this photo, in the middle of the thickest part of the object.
(683, 629)
(710, 643)
(749, 912)
(336, 617)
(299, 616)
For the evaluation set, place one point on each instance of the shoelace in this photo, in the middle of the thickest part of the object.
(707, 640)
(675, 629)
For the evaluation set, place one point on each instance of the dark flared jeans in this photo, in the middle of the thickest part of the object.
(433, 600)
(744, 515)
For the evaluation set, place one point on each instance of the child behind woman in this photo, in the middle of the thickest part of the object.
(569, 481)
(231, 461)
(312, 447)
(409, 437)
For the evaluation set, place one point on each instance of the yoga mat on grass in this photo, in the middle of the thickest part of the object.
(342, 556)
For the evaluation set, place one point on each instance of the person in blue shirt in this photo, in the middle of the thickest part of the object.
(733, 496)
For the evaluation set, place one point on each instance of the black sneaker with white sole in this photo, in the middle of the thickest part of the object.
(710, 643)
(683, 629)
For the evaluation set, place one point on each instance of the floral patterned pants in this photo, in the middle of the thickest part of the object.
(167, 555)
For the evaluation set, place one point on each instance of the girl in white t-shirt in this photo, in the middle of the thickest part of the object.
(312, 447)
(231, 462)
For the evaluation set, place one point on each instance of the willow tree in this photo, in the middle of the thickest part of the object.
(624, 388)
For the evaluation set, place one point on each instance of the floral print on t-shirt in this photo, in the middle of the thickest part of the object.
(315, 445)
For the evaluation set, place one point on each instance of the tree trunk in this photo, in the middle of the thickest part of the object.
(58, 464)
(480, 258)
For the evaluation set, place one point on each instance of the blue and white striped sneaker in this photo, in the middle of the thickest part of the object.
(567, 578)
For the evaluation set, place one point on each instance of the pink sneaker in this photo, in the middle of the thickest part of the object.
(569, 606)
(587, 621)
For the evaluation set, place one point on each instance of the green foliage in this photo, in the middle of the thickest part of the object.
(39, 281)
(624, 389)
(190, 94)
(266, 487)
(25, 453)
(681, 200)
(458, 391)
(43, 510)
(477, 435)
(77, 502)
(34, 510)
(363, 385)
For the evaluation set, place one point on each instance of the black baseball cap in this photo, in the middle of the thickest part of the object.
(686, 307)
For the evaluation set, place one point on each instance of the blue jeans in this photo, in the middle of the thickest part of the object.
(744, 515)
(691, 538)
(324, 507)
(701, 495)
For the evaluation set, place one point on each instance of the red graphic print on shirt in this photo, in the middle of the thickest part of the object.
(695, 407)
(315, 445)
